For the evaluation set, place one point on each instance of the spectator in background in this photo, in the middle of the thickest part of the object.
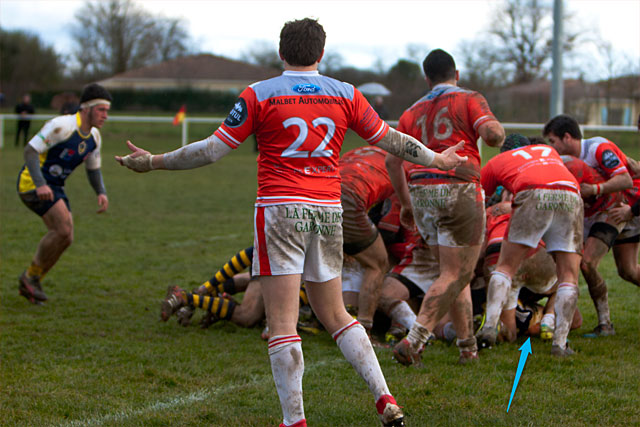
(68, 108)
(378, 105)
(23, 109)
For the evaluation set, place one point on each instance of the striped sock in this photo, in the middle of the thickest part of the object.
(222, 308)
(238, 263)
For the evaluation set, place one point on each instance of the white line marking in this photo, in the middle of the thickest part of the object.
(184, 400)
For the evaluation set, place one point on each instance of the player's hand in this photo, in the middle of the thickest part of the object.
(587, 190)
(44, 193)
(139, 160)
(621, 213)
(448, 159)
(103, 202)
(406, 218)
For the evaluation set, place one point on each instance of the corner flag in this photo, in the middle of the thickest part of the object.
(179, 118)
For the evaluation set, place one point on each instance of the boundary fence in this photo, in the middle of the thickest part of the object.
(189, 120)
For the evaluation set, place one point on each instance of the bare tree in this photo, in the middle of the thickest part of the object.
(331, 63)
(263, 53)
(115, 36)
(518, 42)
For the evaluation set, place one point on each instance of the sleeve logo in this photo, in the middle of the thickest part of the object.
(609, 159)
(237, 115)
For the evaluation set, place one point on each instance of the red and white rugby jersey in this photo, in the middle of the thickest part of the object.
(406, 239)
(300, 119)
(364, 174)
(588, 175)
(497, 222)
(533, 166)
(605, 156)
(445, 116)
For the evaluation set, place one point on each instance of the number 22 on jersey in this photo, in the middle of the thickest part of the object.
(321, 150)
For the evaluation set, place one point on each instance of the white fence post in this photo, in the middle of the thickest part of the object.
(185, 135)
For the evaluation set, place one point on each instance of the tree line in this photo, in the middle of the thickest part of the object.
(114, 36)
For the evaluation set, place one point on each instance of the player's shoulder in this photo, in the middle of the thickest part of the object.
(95, 132)
(60, 128)
(595, 142)
(292, 83)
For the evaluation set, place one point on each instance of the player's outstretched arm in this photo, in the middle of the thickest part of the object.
(190, 156)
(408, 148)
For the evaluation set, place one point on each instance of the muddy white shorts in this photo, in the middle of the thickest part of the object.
(449, 215)
(421, 266)
(298, 239)
(555, 216)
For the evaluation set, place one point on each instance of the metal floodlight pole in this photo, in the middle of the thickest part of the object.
(557, 86)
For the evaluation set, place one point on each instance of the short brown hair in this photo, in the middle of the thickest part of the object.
(302, 42)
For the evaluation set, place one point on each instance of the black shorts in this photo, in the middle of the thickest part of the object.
(42, 206)
(414, 290)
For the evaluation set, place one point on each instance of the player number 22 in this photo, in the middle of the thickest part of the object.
(321, 150)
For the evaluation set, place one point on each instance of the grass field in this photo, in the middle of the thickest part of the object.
(96, 353)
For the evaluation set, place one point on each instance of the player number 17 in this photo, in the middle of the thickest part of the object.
(544, 152)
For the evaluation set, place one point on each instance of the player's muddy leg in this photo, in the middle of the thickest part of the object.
(456, 269)
(594, 250)
(567, 265)
(393, 302)
(462, 317)
(251, 311)
(374, 259)
(626, 257)
(326, 301)
(511, 256)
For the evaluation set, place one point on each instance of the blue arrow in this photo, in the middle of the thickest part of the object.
(526, 350)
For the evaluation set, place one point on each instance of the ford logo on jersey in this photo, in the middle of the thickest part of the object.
(306, 88)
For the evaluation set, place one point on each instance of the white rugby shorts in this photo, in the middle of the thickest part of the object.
(450, 215)
(298, 239)
(555, 216)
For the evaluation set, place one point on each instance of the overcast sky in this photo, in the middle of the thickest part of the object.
(364, 32)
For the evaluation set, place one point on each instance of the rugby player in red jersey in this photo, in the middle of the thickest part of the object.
(563, 133)
(364, 184)
(300, 119)
(547, 206)
(537, 273)
(448, 207)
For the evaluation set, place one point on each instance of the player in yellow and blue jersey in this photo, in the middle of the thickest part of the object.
(57, 149)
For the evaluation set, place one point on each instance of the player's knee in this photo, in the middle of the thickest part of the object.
(247, 319)
(65, 235)
(588, 267)
(628, 273)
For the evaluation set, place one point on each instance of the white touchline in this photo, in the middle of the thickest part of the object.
(177, 401)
